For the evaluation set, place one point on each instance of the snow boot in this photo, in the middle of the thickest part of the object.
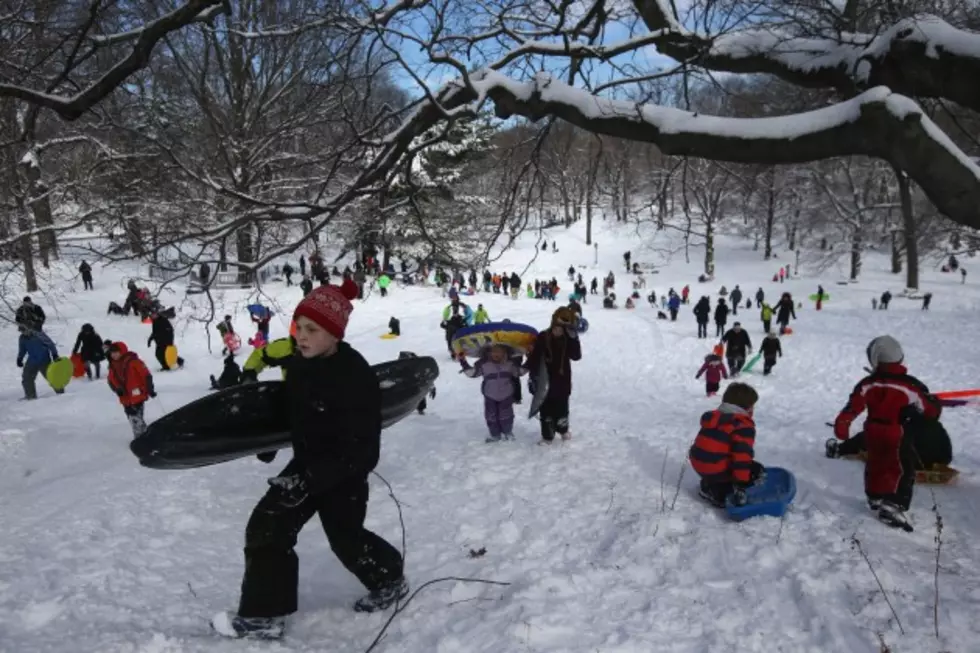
(383, 598)
(508, 436)
(492, 438)
(894, 516)
(831, 448)
(542, 442)
(874, 504)
(235, 627)
(710, 498)
(566, 436)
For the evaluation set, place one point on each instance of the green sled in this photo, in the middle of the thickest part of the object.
(59, 373)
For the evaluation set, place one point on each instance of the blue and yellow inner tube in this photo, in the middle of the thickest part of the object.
(471, 341)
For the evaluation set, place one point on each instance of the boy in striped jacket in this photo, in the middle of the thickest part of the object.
(723, 452)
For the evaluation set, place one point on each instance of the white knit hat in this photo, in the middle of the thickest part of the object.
(884, 349)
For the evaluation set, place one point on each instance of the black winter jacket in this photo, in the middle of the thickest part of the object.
(163, 332)
(702, 311)
(721, 313)
(335, 417)
(771, 348)
(738, 343)
(89, 345)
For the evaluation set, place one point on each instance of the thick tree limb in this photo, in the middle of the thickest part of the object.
(877, 123)
(917, 57)
(146, 39)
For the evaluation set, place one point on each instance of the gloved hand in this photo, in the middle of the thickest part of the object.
(842, 427)
(442, 325)
(570, 331)
(152, 393)
(249, 376)
(20, 363)
(738, 497)
(267, 457)
(293, 489)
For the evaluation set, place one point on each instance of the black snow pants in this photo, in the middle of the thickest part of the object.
(134, 414)
(271, 564)
(735, 364)
(554, 417)
(719, 329)
(702, 329)
(768, 364)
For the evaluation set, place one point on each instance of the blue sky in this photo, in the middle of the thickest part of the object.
(648, 59)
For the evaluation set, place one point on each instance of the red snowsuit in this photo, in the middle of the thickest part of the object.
(129, 378)
(888, 394)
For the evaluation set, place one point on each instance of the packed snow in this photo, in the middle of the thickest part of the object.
(602, 540)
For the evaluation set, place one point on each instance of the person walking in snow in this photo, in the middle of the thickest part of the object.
(759, 296)
(714, 371)
(674, 305)
(571, 273)
(132, 382)
(30, 316)
(765, 314)
(626, 259)
(886, 298)
(888, 394)
(86, 271)
(287, 271)
(721, 317)
(162, 333)
(962, 275)
(685, 294)
(306, 285)
(88, 345)
(736, 298)
(784, 311)
(819, 297)
(35, 353)
(481, 316)
(334, 416)
(702, 312)
(555, 348)
(501, 389)
(926, 300)
(770, 348)
(515, 285)
(738, 346)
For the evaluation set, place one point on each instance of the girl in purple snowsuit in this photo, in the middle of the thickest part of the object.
(713, 370)
(501, 389)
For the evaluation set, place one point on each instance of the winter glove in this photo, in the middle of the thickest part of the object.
(571, 332)
(432, 393)
(267, 457)
(842, 427)
(152, 393)
(249, 376)
(20, 363)
(149, 343)
(293, 490)
(738, 497)
(442, 325)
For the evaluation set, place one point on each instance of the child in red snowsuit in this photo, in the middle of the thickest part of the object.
(130, 379)
(713, 370)
(888, 394)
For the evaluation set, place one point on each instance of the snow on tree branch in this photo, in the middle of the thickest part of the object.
(877, 123)
(146, 39)
(923, 56)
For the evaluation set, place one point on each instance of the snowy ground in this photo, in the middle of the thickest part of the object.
(603, 541)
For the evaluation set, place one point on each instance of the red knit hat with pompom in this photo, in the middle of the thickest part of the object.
(329, 306)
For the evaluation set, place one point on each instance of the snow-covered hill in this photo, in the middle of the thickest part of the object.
(603, 540)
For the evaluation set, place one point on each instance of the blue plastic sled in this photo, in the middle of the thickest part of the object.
(582, 325)
(771, 498)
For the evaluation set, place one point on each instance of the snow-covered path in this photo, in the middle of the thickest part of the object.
(603, 540)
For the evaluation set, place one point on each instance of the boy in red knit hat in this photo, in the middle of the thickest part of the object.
(335, 412)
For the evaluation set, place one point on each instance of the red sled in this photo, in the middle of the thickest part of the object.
(77, 366)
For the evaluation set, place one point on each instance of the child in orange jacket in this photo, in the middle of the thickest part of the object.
(723, 452)
(130, 379)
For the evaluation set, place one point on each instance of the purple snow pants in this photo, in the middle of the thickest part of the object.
(499, 416)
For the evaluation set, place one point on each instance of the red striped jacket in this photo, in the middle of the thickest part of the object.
(724, 448)
(887, 394)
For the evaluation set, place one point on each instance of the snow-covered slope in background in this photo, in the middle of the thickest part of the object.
(603, 540)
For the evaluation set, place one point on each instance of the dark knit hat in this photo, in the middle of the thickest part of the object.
(329, 307)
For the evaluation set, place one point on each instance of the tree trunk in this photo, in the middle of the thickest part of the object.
(792, 231)
(26, 247)
(223, 255)
(910, 231)
(770, 214)
(856, 246)
(896, 254)
(709, 247)
(245, 253)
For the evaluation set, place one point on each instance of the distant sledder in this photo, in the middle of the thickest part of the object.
(454, 317)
